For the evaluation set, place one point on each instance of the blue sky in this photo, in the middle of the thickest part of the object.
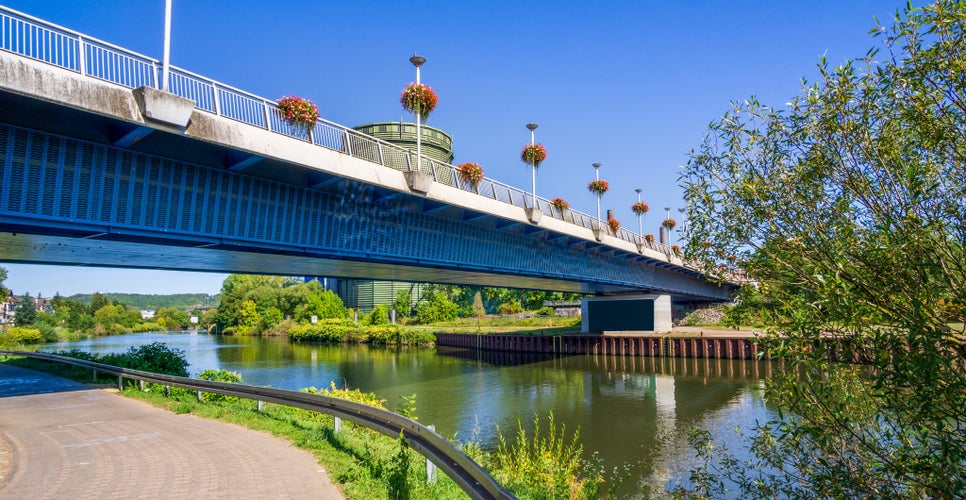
(629, 84)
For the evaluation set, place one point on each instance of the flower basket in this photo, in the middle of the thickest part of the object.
(614, 224)
(599, 187)
(471, 173)
(560, 204)
(649, 238)
(676, 249)
(669, 224)
(297, 111)
(419, 99)
(533, 154)
(640, 208)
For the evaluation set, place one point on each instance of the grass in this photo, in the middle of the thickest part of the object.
(369, 465)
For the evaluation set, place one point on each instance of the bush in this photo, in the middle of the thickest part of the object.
(155, 357)
(220, 376)
(436, 310)
(508, 308)
(333, 330)
(545, 311)
(378, 316)
(24, 335)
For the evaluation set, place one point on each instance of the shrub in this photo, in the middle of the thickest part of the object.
(507, 308)
(155, 357)
(24, 335)
(332, 330)
(378, 316)
(436, 310)
(220, 376)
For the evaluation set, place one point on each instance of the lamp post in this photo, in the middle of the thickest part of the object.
(165, 67)
(418, 61)
(597, 178)
(640, 216)
(683, 228)
(665, 232)
(533, 170)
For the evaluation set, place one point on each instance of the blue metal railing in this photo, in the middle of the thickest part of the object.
(43, 41)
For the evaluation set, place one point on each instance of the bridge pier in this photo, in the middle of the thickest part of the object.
(637, 313)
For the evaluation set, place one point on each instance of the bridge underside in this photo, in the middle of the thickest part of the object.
(96, 251)
(91, 189)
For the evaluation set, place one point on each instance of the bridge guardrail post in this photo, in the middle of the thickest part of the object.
(430, 466)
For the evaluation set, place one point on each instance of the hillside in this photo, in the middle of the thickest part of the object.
(182, 301)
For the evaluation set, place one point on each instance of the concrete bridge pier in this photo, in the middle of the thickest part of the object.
(634, 313)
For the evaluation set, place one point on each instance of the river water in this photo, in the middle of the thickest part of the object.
(632, 413)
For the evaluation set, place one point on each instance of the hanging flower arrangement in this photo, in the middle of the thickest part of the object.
(640, 208)
(614, 224)
(420, 99)
(599, 187)
(669, 224)
(649, 238)
(297, 111)
(470, 172)
(533, 154)
(560, 204)
(676, 249)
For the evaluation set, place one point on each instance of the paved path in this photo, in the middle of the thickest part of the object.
(61, 440)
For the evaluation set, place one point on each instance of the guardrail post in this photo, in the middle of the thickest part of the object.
(167, 391)
(348, 142)
(198, 396)
(430, 466)
(260, 405)
(268, 115)
(379, 151)
(216, 99)
(94, 375)
(338, 424)
(141, 385)
(120, 383)
(81, 56)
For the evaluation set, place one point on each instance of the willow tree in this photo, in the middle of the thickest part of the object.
(847, 209)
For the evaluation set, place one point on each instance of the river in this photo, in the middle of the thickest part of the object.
(633, 411)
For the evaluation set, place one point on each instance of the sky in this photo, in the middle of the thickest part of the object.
(632, 85)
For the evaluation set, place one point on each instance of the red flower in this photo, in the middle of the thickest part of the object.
(420, 99)
(649, 238)
(560, 204)
(297, 111)
(470, 172)
(533, 154)
(614, 225)
(600, 186)
(669, 223)
(640, 208)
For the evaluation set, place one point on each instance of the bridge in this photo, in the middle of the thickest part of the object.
(98, 167)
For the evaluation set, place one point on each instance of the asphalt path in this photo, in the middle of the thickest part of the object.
(63, 440)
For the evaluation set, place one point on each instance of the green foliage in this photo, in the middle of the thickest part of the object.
(403, 304)
(220, 375)
(23, 335)
(172, 319)
(337, 331)
(150, 302)
(378, 316)
(435, 308)
(4, 292)
(847, 210)
(366, 398)
(544, 465)
(25, 312)
(155, 357)
(507, 308)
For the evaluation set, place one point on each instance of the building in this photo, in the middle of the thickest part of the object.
(364, 295)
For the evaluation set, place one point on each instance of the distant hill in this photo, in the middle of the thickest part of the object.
(184, 301)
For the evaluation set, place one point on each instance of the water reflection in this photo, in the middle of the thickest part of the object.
(629, 410)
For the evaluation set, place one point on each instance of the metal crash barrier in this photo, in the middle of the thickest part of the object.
(472, 478)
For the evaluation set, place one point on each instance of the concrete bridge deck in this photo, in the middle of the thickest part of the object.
(62, 439)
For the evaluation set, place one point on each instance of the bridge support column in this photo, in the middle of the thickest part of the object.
(639, 313)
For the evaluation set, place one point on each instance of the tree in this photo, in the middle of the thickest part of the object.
(4, 292)
(171, 318)
(403, 303)
(847, 210)
(25, 313)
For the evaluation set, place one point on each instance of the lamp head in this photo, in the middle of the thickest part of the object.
(532, 126)
(417, 60)
(596, 165)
